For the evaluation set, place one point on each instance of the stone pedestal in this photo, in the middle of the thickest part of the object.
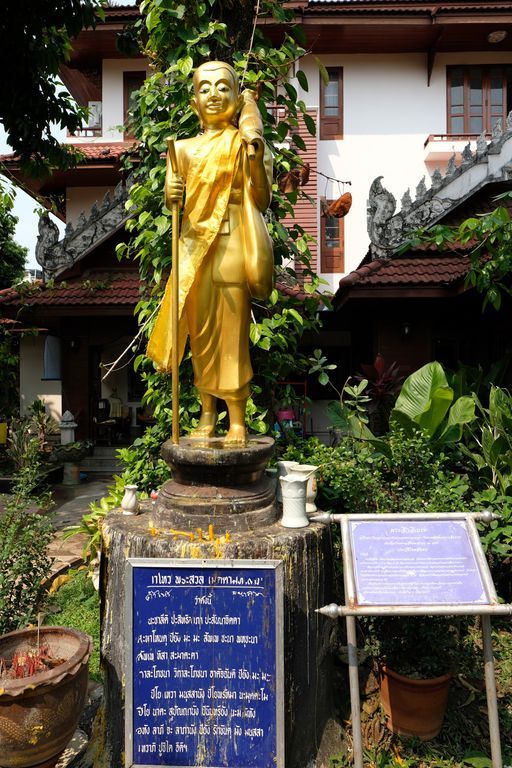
(219, 485)
(307, 557)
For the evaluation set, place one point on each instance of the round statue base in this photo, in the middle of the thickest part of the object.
(241, 508)
(213, 462)
(217, 484)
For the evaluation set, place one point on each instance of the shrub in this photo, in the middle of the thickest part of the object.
(403, 474)
(25, 533)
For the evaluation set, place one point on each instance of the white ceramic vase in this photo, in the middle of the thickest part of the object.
(311, 490)
(293, 490)
(129, 502)
(283, 468)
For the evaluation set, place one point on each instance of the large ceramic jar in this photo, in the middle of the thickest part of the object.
(39, 714)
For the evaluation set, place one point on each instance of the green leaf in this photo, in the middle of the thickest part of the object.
(254, 333)
(462, 411)
(303, 80)
(323, 72)
(282, 130)
(153, 18)
(425, 397)
(291, 91)
(476, 760)
(298, 141)
(296, 315)
(185, 65)
(310, 124)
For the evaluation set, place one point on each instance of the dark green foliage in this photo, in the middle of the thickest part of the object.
(416, 646)
(36, 38)
(487, 241)
(178, 39)
(9, 361)
(25, 533)
(12, 255)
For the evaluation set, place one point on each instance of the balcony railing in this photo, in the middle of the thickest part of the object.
(85, 133)
(454, 137)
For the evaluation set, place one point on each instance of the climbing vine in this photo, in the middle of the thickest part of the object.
(176, 40)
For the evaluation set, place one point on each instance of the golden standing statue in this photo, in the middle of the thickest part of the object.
(225, 251)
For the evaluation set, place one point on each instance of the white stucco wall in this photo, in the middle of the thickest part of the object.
(80, 199)
(389, 111)
(31, 384)
(112, 89)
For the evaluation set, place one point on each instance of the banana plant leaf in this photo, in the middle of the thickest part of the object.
(425, 401)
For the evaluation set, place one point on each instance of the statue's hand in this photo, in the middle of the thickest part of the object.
(174, 189)
(253, 144)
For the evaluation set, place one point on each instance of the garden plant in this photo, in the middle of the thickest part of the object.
(430, 460)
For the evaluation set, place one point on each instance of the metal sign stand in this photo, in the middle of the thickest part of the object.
(356, 607)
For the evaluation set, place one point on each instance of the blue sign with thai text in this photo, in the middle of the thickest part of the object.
(206, 664)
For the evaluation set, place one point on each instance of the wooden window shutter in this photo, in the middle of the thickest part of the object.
(331, 105)
(332, 245)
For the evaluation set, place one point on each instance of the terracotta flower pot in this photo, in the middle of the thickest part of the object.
(39, 714)
(414, 707)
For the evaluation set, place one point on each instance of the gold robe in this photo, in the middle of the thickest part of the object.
(225, 257)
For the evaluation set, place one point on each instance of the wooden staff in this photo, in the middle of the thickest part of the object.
(175, 210)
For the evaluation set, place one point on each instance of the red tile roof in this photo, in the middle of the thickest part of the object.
(122, 288)
(122, 10)
(108, 152)
(419, 271)
(96, 289)
(407, 4)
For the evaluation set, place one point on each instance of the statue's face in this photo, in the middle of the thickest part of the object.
(215, 99)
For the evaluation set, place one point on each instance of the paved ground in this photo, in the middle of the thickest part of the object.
(71, 503)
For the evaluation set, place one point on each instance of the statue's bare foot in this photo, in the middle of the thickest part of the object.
(237, 435)
(206, 426)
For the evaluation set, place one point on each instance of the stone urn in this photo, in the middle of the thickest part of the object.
(39, 714)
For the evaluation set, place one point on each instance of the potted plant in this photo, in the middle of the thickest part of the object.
(43, 687)
(415, 658)
(287, 401)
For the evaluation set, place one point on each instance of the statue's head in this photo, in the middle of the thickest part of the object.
(216, 99)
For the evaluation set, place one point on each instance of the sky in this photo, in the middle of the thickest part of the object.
(25, 208)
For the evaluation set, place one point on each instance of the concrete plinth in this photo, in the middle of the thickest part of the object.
(308, 580)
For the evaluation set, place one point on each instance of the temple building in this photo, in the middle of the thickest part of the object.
(416, 110)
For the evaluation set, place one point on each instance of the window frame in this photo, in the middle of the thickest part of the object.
(487, 117)
(331, 128)
(332, 260)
